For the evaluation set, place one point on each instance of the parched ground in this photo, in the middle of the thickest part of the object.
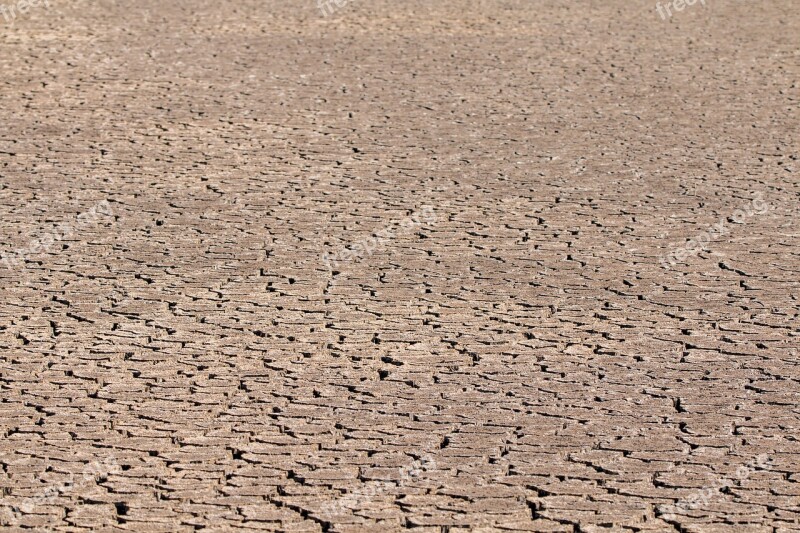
(416, 264)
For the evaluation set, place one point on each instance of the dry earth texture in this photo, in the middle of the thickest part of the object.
(492, 265)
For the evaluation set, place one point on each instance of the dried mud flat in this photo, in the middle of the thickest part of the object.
(408, 265)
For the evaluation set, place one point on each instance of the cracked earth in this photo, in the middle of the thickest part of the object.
(541, 350)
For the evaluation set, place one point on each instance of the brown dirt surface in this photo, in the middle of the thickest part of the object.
(413, 264)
